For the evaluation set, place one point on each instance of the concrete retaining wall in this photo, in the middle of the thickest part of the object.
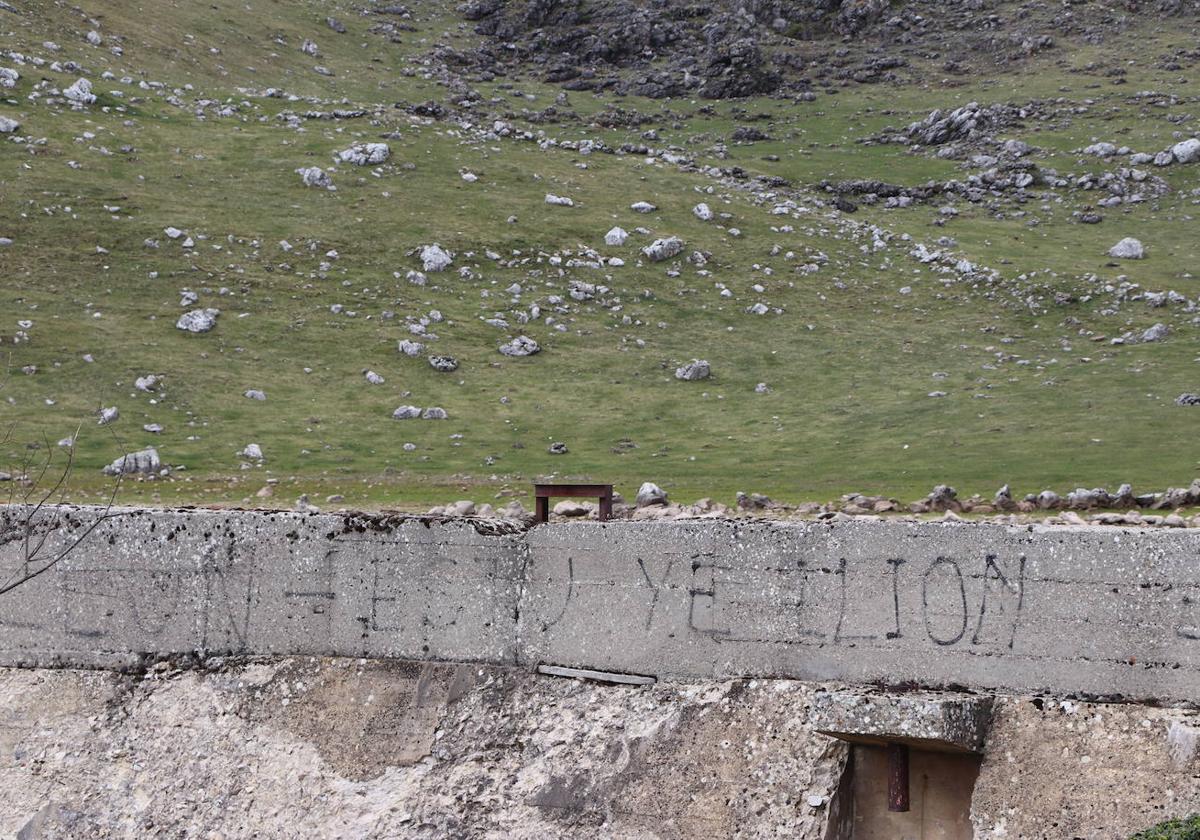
(1106, 612)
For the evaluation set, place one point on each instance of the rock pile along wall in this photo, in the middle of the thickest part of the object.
(1083, 611)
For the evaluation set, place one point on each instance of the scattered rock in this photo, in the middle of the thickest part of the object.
(198, 320)
(522, 345)
(651, 494)
(365, 154)
(569, 508)
(559, 200)
(252, 451)
(443, 364)
(315, 176)
(694, 370)
(80, 92)
(558, 448)
(1187, 151)
(255, 394)
(1156, 333)
(1128, 249)
(109, 415)
(663, 249)
(435, 258)
(144, 461)
(616, 236)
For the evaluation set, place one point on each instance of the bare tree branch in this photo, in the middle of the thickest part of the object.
(34, 527)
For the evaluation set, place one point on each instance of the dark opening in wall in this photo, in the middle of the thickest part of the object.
(939, 791)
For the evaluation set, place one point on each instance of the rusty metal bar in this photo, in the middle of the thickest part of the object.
(897, 777)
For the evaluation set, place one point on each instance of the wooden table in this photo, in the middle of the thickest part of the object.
(544, 492)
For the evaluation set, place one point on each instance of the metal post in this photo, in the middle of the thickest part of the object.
(897, 777)
(543, 509)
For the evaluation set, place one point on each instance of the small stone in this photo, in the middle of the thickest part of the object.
(443, 364)
(558, 448)
(255, 394)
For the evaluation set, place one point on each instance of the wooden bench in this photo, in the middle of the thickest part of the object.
(544, 492)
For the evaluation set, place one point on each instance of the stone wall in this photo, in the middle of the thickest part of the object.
(1102, 612)
(356, 748)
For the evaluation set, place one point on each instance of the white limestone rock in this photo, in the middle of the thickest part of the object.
(663, 249)
(144, 462)
(80, 92)
(315, 176)
(365, 154)
(616, 236)
(198, 320)
(435, 258)
(522, 345)
(1128, 249)
(693, 371)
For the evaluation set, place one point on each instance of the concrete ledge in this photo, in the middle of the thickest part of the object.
(1095, 612)
(942, 722)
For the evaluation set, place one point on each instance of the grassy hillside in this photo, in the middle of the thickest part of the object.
(1035, 393)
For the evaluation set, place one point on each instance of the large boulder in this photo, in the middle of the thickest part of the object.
(144, 462)
(1187, 151)
(1128, 249)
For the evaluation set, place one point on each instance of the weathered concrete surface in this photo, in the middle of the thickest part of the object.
(1101, 611)
(155, 582)
(368, 749)
(939, 721)
(357, 748)
(1063, 769)
(1097, 612)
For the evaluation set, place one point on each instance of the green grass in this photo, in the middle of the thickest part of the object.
(1183, 829)
(849, 362)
